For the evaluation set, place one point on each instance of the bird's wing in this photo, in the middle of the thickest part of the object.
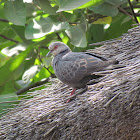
(97, 56)
(79, 65)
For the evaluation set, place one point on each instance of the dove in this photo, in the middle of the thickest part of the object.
(75, 68)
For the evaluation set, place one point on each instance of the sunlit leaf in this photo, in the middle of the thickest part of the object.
(30, 73)
(42, 74)
(14, 50)
(10, 68)
(40, 27)
(28, 1)
(47, 61)
(104, 20)
(91, 3)
(65, 5)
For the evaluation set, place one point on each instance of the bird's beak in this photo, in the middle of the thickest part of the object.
(49, 53)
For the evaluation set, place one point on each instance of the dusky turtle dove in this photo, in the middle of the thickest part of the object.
(75, 68)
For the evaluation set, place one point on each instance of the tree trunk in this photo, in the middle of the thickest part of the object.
(108, 110)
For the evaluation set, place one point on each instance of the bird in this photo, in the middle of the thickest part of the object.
(76, 68)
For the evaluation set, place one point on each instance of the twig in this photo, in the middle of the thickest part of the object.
(135, 6)
(112, 99)
(109, 71)
(36, 6)
(3, 20)
(38, 50)
(8, 38)
(50, 131)
(137, 14)
(58, 36)
(131, 6)
(125, 12)
(31, 86)
(131, 104)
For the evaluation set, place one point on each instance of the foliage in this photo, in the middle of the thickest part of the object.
(29, 26)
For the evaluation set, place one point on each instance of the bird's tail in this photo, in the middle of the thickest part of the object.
(112, 64)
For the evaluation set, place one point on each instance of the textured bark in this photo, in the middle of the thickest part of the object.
(108, 110)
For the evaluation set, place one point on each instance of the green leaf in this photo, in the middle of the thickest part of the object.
(70, 17)
(43, 73)
(30, 9)
(4, 27)
(91, 3)
(11, 67)
(104, 20)
(9, 43)
(95, 33)
(118, 27)
(46, 7)
(116, 2)
(19, 30)
(7, 34)
(77, 36)
(105, 9)
(15, 12)
(2, 11)
(47, 61)
(65, 5)
(83, 23)
(38, 28)
(3, 59)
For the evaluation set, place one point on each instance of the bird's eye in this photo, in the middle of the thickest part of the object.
(56, 47)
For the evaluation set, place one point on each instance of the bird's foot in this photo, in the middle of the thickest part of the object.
(80, 92)
(73, 91)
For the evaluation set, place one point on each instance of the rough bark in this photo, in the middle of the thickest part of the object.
(108, 110)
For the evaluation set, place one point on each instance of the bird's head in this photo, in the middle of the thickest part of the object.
(57, 47)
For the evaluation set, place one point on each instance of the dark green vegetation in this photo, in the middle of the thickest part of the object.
(26, 30)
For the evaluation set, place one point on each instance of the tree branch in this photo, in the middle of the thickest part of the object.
(125, 12)
(4, 20)
(8, 38)
(36, 6)
(131, 6)
(32, 86)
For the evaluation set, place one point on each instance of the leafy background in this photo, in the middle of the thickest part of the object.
(29, 26)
